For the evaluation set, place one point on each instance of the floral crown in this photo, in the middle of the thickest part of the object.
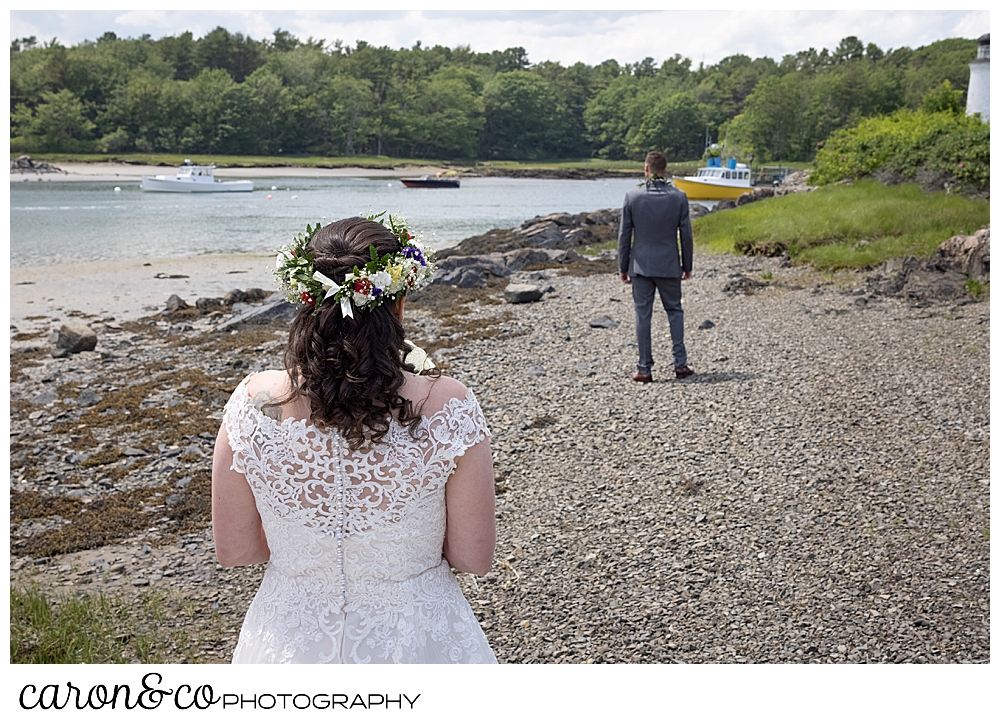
(384, 278)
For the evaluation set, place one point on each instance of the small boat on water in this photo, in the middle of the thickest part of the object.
(192, 179)
(716, 182)
(437, 181)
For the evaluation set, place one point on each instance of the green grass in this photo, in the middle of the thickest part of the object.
(824, 227)
(976, 288)
(91, 629)
(94, 628)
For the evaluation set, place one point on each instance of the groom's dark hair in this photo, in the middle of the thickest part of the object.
(657, 162)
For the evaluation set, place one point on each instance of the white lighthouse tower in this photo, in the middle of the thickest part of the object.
(979, 81)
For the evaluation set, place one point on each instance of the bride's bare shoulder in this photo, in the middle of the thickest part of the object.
(430, 394)
(273, 382)
(269, 391)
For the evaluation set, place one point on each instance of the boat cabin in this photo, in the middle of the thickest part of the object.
(739, 173)
(196, 173)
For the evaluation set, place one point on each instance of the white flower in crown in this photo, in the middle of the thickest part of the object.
(382, 281)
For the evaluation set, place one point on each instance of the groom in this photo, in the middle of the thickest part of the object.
(656, 213)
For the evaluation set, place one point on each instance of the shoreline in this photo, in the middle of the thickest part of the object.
(128, 289)
(100, 172)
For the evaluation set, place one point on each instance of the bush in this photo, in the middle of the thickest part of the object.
(940, 150)
(115, 142)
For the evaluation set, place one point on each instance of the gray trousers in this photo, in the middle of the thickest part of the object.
(643, 292)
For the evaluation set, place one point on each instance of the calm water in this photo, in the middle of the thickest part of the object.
(78, 222)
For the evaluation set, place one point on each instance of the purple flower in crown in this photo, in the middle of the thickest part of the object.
(376, 292)
(412, 252)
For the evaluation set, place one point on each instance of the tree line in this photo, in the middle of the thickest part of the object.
(226, 93)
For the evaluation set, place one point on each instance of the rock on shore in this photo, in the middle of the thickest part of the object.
(553, 231)
(24, 164)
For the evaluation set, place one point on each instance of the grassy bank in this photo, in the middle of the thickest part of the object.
(845, 227)
(381, 162)
(93, 628)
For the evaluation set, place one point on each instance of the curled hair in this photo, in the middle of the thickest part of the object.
(350, 369)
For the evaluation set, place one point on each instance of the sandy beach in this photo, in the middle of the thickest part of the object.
(128, 172)
(129, 289)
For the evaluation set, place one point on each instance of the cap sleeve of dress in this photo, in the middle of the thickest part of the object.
(240, 425)
(458, 426)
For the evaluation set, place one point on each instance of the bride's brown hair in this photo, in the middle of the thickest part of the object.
(350, 369)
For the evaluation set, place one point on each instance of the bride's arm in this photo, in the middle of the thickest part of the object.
(470, 535)
(236, 527)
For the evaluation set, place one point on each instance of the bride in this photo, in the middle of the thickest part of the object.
(357, 480)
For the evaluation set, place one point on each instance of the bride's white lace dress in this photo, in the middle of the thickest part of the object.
(356, 573)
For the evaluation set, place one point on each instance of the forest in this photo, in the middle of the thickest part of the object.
(226, 93)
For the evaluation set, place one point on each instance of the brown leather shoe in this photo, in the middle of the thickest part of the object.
(683, 372)
(639, 377)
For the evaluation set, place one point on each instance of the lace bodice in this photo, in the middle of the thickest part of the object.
(356, 570)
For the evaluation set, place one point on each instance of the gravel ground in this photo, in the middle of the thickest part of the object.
(817, 492)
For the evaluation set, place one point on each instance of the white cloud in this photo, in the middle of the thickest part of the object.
(567, 36)
(142, 19)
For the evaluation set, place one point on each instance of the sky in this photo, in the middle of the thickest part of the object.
(563, 35)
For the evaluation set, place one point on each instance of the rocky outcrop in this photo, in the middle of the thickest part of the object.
(238, 296)
(274, 308)
(498, 253)
(479, 269)
(917, 280)
(568, 231)
(553, 231)
(794, 183)
(24, 164)
(232, 301)
(969, 255)
(696, 210)
(756, 194)
(942, 278)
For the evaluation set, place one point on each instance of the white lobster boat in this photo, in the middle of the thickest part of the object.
(192, 179)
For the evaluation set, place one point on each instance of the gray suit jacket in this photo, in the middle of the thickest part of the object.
(655, 213)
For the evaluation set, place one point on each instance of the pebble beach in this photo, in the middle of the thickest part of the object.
(817, 492)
